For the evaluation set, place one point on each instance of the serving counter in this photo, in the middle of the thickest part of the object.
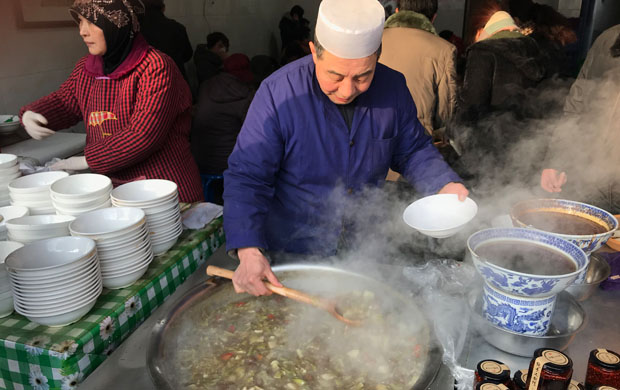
(40, 357)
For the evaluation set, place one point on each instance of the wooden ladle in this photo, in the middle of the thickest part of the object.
(296, 295)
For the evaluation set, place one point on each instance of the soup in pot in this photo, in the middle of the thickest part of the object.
(562, 223)
(274, 343)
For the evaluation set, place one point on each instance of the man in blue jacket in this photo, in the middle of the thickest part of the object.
(318, 131)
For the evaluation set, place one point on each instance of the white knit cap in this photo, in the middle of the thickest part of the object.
(350, 29)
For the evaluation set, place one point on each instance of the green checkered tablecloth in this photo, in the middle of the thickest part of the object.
(40, 358)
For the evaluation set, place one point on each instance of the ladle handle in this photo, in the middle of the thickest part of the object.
(213, 270)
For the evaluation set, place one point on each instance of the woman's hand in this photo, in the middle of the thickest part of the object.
(552, 180)
(70, 164)
(253, 268)
(455, 188)
(33, 123)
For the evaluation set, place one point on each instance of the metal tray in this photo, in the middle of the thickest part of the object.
(216, 292)
(567, 320)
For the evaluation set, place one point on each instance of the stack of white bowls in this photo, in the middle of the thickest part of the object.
(7, 213)
(38, 227)
(123, 243)
(55, 282)
(33, 191)
(160, 202)
(6, 296)
(79, 194)
(9, 170)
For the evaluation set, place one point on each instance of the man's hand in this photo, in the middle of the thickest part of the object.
(33, 123)
(552, 180)
(70, 164)
(455, 188)
(253, 268)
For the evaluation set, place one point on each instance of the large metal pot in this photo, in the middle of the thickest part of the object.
(168, 334)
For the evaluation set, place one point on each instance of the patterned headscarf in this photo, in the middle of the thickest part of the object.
(118, 12)
(119, 21)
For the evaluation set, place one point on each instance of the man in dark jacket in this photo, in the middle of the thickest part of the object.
(223, 102)
(166, 34)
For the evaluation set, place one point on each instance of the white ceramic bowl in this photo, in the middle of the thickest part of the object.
(49, 255)
(108, 222)
(63, 276)
(78, 211)
(37, 182)
(6, 248)
(82, 203)
(9, 171)
(134, 239)
(139, 247)
(30, 237)
(130, 262)
(169, 199)
(6, 306)
(132, 235)
(52, 284)
(126, 280)
(61, 318)
(62, 300)
(33, 197)
(35, 204)
(441, 215)
(7, 160)
(9, 124)
(39, 223)
(10, 212)
(144, 191)
(79, 282)
(7, 179)
(162, 247)
(80, 186)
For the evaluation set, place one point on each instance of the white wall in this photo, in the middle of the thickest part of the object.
(34, 62)
(450, 14)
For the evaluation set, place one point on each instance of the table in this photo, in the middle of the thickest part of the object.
(35, 356)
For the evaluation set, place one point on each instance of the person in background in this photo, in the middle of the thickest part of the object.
(132, 98)
(428, 63)
(502, 67)
(165, 34)
(223, 102)
(552, 31)
(262, 67)
(593, 103)
(209, 57)
(319, 131)
(293, 27)
(458, 42)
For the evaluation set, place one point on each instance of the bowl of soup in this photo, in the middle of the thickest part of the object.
(587, 226)
(526, 262)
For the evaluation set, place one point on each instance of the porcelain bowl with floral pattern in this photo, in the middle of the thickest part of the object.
(523, 315)
(587, 242)
(523, 284)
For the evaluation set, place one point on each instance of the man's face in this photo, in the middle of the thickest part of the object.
(220, 49)
(343, 80)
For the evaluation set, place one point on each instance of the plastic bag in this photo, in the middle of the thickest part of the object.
(443, 285)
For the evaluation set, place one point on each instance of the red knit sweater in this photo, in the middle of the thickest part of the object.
(137, 118)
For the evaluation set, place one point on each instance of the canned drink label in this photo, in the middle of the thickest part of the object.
(607, 357)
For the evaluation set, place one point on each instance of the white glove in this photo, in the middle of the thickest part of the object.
(70, 164)
(32, 123)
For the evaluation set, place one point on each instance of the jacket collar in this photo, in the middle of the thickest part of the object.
(94, 64)
(410, 19)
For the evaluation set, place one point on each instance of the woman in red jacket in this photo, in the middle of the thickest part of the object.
(133, 99)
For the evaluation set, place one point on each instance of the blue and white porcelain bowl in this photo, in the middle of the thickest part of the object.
(587, 242)
(523, 315)
(522, 284)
